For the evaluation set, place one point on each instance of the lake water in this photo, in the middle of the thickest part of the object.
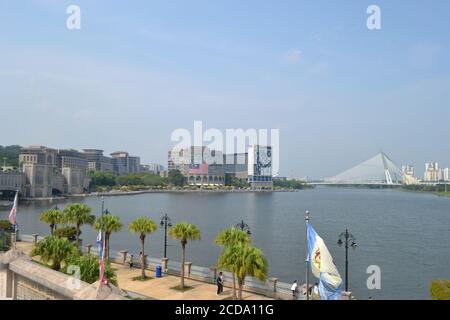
(406, 234)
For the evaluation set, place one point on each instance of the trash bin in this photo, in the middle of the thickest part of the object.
(158, 271)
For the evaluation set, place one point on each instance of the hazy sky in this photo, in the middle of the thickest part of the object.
(137, 70)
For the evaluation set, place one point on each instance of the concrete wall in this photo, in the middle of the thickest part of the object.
(23, 279)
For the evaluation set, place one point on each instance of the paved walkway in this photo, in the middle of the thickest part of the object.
(160, 288)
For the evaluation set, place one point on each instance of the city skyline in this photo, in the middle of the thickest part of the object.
(337, 91)
(438, 171)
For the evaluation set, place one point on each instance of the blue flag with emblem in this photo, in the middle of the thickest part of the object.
(323, 267)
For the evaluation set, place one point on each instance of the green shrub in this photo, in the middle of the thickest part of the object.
(440, 289)
(5, 225)
(55, 251)
(89, 268)
(66, 232)
(5, 240)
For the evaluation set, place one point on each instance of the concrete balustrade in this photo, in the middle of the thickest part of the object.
(145, 260)
(164, 264)
(187, 269)
(213, 273)
(123, 256)
(272, 287)
(35, 238)
(346, 295)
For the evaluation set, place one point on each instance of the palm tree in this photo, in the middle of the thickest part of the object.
(53, 217)
(183, 232)
(78, 214)
(248, 261)
(56, 250)
(230, 238)
(109, 224)
(142, 226)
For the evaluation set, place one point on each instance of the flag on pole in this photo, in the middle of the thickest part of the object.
(13, 212)
(99, 244)
(323, 267)
(102, 277)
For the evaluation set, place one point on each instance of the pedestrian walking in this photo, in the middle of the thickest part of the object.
(130, 261)
(294, 288)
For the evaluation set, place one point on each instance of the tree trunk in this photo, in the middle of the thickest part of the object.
(78, 236)
(182, 266)
(142, 259)
(51, 229)
(234, 286)
(240, 283)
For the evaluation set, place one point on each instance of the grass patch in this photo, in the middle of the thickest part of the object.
(178, 288)
(440, 289)
(140, 278)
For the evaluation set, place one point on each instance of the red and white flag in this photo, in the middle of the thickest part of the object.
(103, 279)
(12, 214)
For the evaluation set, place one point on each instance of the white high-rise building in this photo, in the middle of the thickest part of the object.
(446, 174)
(409, 170)
(432, 172)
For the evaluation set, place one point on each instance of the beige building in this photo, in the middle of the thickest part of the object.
(73, 165)
(12, 181)
(49, 171)
(38, 164)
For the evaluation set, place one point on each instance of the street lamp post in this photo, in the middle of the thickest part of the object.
(346, 238)
(165, 222)
(244, 227)
(307, 255)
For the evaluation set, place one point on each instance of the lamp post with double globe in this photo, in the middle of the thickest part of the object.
(244, 227)
(166, 223)
(347, 239)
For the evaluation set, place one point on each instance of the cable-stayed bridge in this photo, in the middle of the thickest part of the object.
(378, 170)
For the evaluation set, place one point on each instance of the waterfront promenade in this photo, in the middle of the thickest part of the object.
(160, 288)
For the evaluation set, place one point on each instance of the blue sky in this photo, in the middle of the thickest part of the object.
(138, 70)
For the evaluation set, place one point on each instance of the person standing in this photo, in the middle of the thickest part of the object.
(315, 292)
(222, 282)
(294, 288)
(219, 282)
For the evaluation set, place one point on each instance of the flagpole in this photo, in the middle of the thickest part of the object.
(103, 245)
(307, 254)
(15, 204)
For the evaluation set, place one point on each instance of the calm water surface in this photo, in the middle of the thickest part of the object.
(406, 234)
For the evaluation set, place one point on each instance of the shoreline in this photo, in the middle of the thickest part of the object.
(120, 193)
(130, 193)
(434, 193)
